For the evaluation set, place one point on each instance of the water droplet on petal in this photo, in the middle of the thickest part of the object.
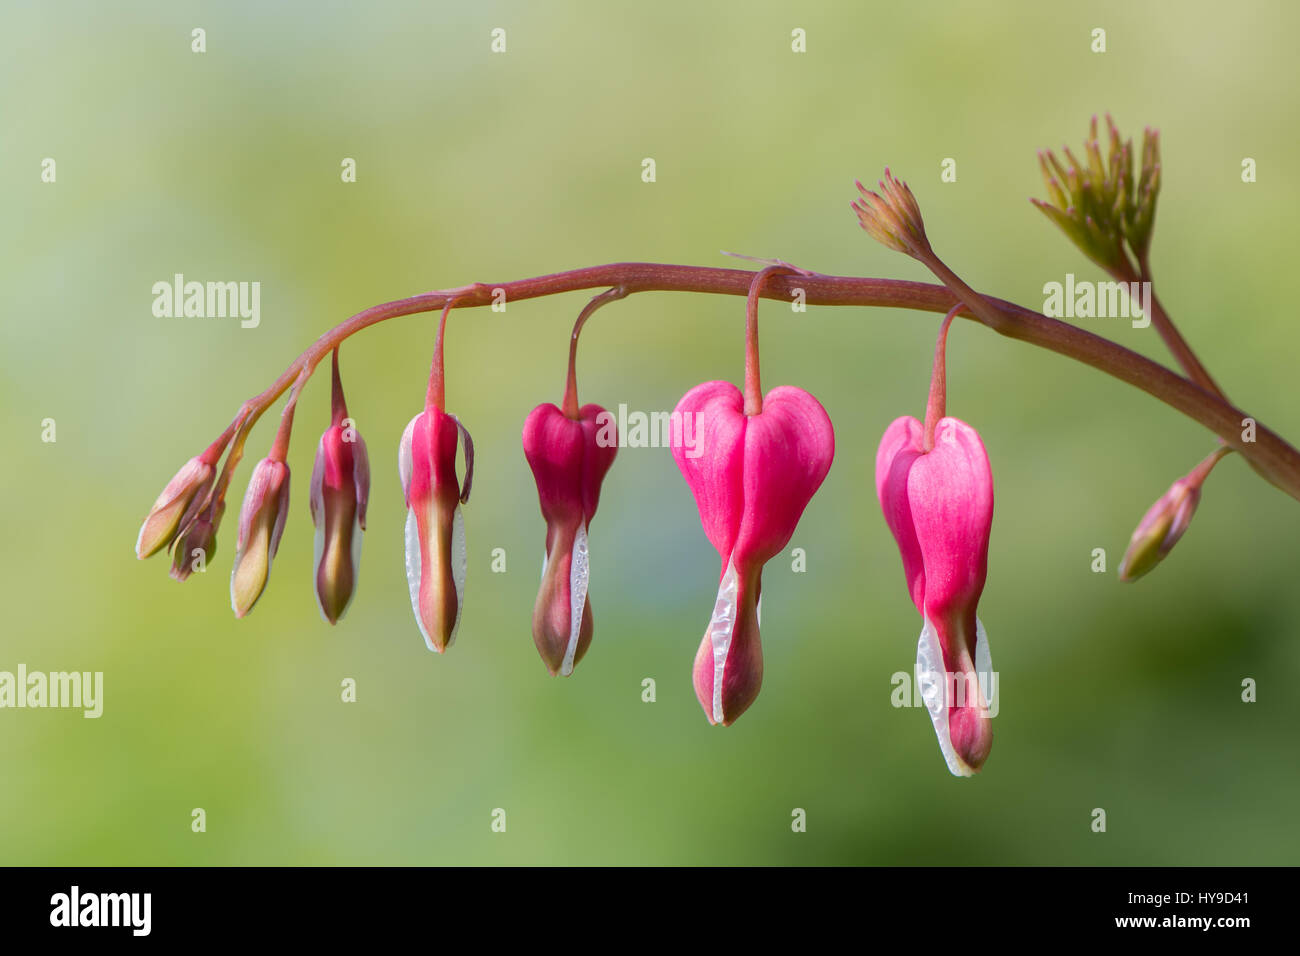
(719, 633)
(579, 574)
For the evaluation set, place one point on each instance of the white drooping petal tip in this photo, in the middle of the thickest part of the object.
(414, 566)
(933, 680)
(579, 576)
(722, 624)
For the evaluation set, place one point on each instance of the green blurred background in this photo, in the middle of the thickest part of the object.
(481, 167)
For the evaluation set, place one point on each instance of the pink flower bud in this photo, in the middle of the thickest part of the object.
(1166, 521)
(1159, 530)
(569, 463)
(340, 488)
(939, 506)
(261, 523)
(752, 478)
(197, 543)
(435, 529)
(176, 507)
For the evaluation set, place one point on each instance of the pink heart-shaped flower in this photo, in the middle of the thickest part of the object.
(752, 477)
(939, 506)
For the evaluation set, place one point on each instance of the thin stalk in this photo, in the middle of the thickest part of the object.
(338, 405)
(437, 394)
(753, 378)
(570, 407)
(937, 404)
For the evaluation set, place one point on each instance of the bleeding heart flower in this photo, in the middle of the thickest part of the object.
(569, 458)
(435, 529)
(340, 489)
(760, 461)
(936, 490)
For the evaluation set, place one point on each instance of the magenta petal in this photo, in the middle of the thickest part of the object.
(716, 475)
(553, 447)
(569, 459)
(898, 451)
(598, 455)
(951, 493)
(789, 448)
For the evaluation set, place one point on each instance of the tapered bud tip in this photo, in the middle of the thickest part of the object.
(562, 618)
(560, 643)
(340, 487)
(971, 732)
(728, 671)
(196, 545)
(741, 681)
(1159, 530)
(175, 508)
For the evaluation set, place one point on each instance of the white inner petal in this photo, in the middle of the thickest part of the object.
(579, 573)
(721, 626)
(932, 679)
(459, 566)
(413, 570)
(317, 499)
(984, 669)
(404, 455)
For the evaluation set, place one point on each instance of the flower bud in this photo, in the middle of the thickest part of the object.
(196, 545)
(1099, 203)
(176, 506)
(892, 216)
(435, 528)
(1160, 529)
(1167, 520)
(261, 523)
(340, 489)
(569, 459)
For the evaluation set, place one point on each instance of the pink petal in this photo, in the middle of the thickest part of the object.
(716, 476)
(899, 449)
